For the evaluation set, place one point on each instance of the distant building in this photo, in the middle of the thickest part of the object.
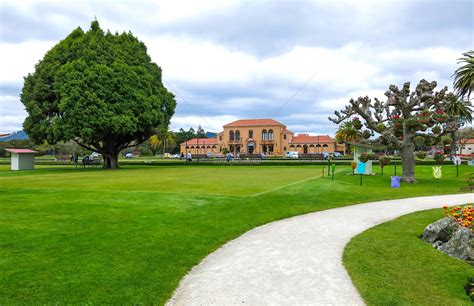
(465, 147)
(254, 136)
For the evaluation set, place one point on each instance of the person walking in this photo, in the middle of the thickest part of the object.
(189, 157)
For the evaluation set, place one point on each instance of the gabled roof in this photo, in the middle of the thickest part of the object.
(306, 138)
(287, 131)
(254, 122)
(20, 151)
(201, 141)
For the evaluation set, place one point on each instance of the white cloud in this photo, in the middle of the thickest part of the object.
(19, 59)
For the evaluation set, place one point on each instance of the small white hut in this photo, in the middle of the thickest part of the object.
(358, 149)
(22, 159)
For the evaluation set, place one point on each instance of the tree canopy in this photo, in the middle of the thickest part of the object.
(99, 89)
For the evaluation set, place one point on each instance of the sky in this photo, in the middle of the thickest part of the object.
(294, 61)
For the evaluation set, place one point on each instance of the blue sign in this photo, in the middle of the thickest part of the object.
(395, 182)
(360, 168)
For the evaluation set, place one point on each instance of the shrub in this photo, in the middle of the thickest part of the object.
(436, 129)
(446, 140)
(384, 160)
(421, 154)
(364, 157)
(439, 156)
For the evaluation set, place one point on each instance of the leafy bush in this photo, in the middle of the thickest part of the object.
(421, 154)
(364, 157)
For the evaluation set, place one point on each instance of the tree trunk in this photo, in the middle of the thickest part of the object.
(111, 161)
(408, 163)
(453, 142)
(111, 153)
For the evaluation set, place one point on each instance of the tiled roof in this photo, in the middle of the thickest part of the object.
(4, 135)
(21, 151)
(201, 141)
(305, 138)
(287, 131)
(469, 141)
(254, 122)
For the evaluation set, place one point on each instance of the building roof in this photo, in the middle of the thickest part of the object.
(200, 141)
(468, 141)
(306, 138)
(253, 122)
(21, 151)
(4, 134)
(287, 131)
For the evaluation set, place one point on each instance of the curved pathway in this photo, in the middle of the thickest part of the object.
(294, 261)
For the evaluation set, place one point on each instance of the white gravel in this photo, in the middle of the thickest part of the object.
(294, 261)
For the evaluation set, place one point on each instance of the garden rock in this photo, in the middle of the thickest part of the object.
(440, 230)
(459, 245)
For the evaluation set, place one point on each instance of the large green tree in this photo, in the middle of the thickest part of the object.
(99, 89)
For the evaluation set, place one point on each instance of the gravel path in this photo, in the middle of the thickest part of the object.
(294, 261)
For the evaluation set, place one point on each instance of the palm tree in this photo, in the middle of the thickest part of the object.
(348, 133)
(460, 113)
(165, 139)
(464, 76)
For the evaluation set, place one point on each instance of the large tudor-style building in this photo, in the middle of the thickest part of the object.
(254, 136)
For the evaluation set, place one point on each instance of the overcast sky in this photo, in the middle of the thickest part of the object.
(294, 61)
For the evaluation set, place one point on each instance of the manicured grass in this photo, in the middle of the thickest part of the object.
(391, 265)
(129, 235)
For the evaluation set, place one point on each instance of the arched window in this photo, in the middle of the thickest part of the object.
(311, 146)
(298, 146)
(237, 135)
(208, 147)
(187, 147)
(325, 145)
(318, 146)
(270, 134)
(264, 134)
(192, 147)
(214, 147)
(292, 146)
(250, 134)
(231, 135)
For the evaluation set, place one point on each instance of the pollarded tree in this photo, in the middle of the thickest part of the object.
(401, 118)
(99, 89)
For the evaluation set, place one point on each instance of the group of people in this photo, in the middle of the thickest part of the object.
(230, 156)
(189, 157)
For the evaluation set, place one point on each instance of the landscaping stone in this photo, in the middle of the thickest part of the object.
(459, 245)
(440, 230)
(449, 237)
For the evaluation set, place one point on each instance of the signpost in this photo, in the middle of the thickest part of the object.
(361, 170)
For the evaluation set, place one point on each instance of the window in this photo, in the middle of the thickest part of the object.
(264, 134)
(284, 136)
(220, 138)
(284, 148)
(231, 135)
(250, 134)
(237, 135)
(325, 145)
(270, 134)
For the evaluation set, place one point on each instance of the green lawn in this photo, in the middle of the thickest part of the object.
(129, 235)
(391, 265)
